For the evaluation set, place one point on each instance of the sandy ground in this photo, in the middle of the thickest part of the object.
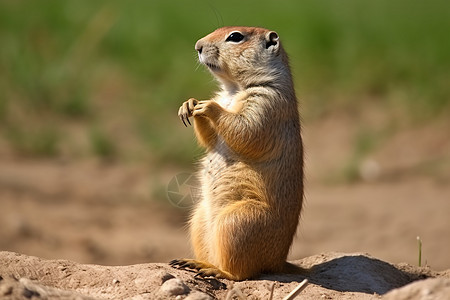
(329, 275)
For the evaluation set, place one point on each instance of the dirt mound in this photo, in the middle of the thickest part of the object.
(330, 275)
(433, 288)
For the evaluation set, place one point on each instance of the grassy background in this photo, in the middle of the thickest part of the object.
(105, 78)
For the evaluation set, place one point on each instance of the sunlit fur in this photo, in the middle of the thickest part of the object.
(252, 175)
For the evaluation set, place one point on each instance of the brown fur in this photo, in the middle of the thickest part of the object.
(252, 174)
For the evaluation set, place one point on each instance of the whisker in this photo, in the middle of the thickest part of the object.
(219, 19)
(198, 64)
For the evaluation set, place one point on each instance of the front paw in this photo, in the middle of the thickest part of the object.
(186, 109)
(208, 108)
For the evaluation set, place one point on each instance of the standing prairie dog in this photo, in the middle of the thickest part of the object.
(252, 175)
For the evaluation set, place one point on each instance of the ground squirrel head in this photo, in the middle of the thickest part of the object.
(244, 56)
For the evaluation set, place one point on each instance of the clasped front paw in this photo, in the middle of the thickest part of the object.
(207, 108)
(186, 110)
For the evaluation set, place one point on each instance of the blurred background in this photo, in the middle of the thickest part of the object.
(90, 139)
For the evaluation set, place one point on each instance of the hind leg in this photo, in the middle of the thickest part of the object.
(241, 242)
(199, 234)
(245, 243)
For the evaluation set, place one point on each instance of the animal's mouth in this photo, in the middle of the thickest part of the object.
(210, 62)
(212, 67)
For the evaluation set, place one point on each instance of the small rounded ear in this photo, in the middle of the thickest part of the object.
(272, 40)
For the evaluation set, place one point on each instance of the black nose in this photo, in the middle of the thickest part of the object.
(199, 47)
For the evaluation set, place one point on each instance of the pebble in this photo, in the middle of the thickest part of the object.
(174, 287)
(196, 295)
(166, 276)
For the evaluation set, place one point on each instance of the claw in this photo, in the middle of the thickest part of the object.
(187, 119)
(206, 273)
(180, 263)
(183, 264)
(182, 119)
(173, 262)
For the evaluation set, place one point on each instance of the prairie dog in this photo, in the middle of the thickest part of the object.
(252, 175)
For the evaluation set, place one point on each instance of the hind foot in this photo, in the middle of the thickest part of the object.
(203, 269)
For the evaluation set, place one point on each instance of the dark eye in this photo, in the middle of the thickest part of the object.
(235, 37)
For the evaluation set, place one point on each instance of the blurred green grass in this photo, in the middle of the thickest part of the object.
(106, 78)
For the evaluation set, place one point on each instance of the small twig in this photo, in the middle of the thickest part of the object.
(272, 288)
(297, 290)
(420, 250)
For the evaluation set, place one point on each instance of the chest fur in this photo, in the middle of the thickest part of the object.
(232, 102)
